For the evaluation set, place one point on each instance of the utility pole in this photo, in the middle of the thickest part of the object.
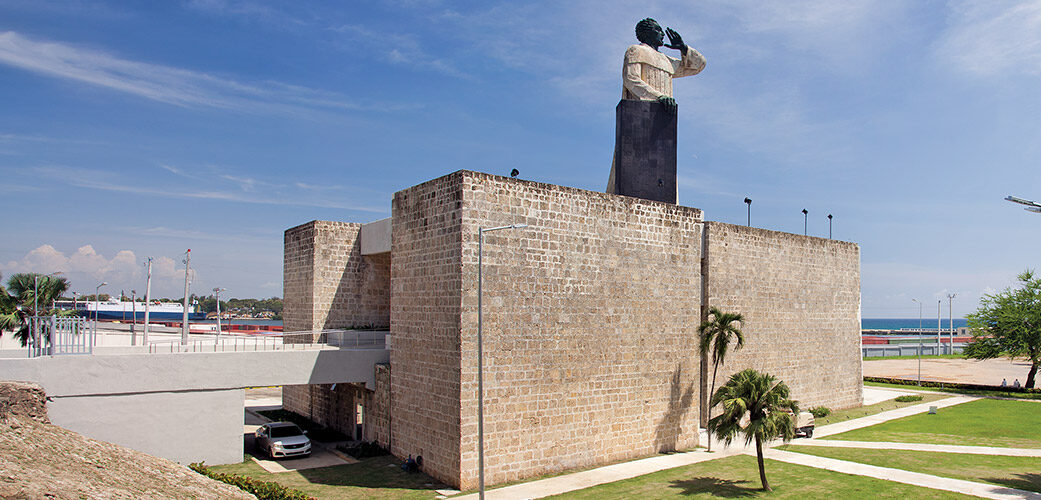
(148, 299)
(184, 320)
(133, 325)
(938, 348)
(919, 340)
(950, 310)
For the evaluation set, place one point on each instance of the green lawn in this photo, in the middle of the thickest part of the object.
(378, 477)
(738, 476)
(950, 390)
(986, 422)
(863, 411)
(1022, 473)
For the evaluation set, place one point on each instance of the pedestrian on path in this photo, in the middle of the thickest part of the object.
(1004, 383)
(1016, 384)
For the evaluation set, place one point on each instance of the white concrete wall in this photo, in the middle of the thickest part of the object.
(375, 237)
(186, 407)
(185, 427)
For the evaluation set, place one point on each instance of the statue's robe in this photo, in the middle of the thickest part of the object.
(647, 75)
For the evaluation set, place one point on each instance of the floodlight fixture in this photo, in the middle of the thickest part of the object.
(1031, 206)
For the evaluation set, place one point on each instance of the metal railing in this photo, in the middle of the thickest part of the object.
(234, 342)
(59, 336)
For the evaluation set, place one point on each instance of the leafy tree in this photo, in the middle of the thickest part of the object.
(17, 302)
(716, 335)
(1009, 324)
(763, 401)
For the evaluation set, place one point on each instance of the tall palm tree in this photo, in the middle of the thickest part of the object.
(763, 401)
(716, 335)
(17, 302)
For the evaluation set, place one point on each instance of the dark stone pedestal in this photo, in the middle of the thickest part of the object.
(644, 151)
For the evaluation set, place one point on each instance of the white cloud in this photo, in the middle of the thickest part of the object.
(85, 268)
(167, 84)
(993, 38)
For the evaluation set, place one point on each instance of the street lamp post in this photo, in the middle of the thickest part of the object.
(950, 312)
(97, 305)
(216, 292)
(480, 351)
(748, 201)
(939, 348)
(133, 324)
(919, 341)
(829, 226)
(805, 217)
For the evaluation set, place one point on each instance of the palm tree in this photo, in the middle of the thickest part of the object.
(18, 301)
(763, 401)
(716, 334)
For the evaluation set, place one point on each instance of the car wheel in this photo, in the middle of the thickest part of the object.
(809, 433)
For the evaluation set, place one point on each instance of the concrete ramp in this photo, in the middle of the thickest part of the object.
(187, 407)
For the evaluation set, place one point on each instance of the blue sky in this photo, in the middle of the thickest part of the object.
(146, 128)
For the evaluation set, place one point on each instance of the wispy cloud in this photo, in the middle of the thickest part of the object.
(993, 38)
(108, 181)
(406, 51)
(249, 11)
(167, 84)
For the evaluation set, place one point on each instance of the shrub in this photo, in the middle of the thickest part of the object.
(907, 398)
(263, 490)
(820, 411)
(364, 450)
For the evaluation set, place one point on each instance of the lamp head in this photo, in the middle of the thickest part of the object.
(829, 216)
(804, 211)
(748, 201)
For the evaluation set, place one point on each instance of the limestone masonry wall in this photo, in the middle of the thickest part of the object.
(800, 297)
(298, 277)
(590, 327)
(426, 288)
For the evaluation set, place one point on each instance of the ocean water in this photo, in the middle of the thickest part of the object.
(898, 323)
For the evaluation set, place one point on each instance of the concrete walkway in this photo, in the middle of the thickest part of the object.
(618, 472)
(878, 418)
(902, 476)
(943, 448)
(601, 475)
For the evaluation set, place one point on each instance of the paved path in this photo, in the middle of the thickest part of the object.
(965, 371)
(943, 448)
(857, 423)
(608, 474)
(902, 476)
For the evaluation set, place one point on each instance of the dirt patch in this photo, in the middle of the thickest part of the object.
(40, 460)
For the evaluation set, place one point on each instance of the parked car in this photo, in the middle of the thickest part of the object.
(804, 424)
(282, 439)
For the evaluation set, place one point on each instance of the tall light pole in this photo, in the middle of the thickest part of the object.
(97, 305)
(217, 291)
(919, 340)
(148, 299)
(939, 350)
(829, 226)
(133, 324)
(748, 201)
(950, 311)
(74, 294)
(480, 350)
(184, 321)
(1031, 206)
(805, 217)
(36, 291)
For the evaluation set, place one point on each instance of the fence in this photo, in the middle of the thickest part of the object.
(317, 339)
(881, 350)
(59, 336)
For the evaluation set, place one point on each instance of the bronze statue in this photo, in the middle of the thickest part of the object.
(647, 73)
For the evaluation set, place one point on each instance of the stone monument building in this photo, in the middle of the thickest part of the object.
(590, 319)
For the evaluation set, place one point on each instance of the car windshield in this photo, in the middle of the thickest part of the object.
(283, 431)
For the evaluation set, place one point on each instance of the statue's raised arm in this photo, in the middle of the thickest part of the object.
(647, 73)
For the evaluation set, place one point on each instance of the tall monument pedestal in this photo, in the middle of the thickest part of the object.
(644, 152)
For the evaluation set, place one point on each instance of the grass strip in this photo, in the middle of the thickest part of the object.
(985, 422)
(984, 393)
(1023, 473)
(377, 477)
(738, 476)
(863, 411)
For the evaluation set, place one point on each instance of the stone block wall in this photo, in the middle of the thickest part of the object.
(328, 284)
(800, 296)
(426, 285)
(378, 420)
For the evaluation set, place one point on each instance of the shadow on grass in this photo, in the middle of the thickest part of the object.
(1027, 481)
(716, 487)
(375, 472)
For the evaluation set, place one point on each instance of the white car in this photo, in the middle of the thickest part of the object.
(282, 439)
